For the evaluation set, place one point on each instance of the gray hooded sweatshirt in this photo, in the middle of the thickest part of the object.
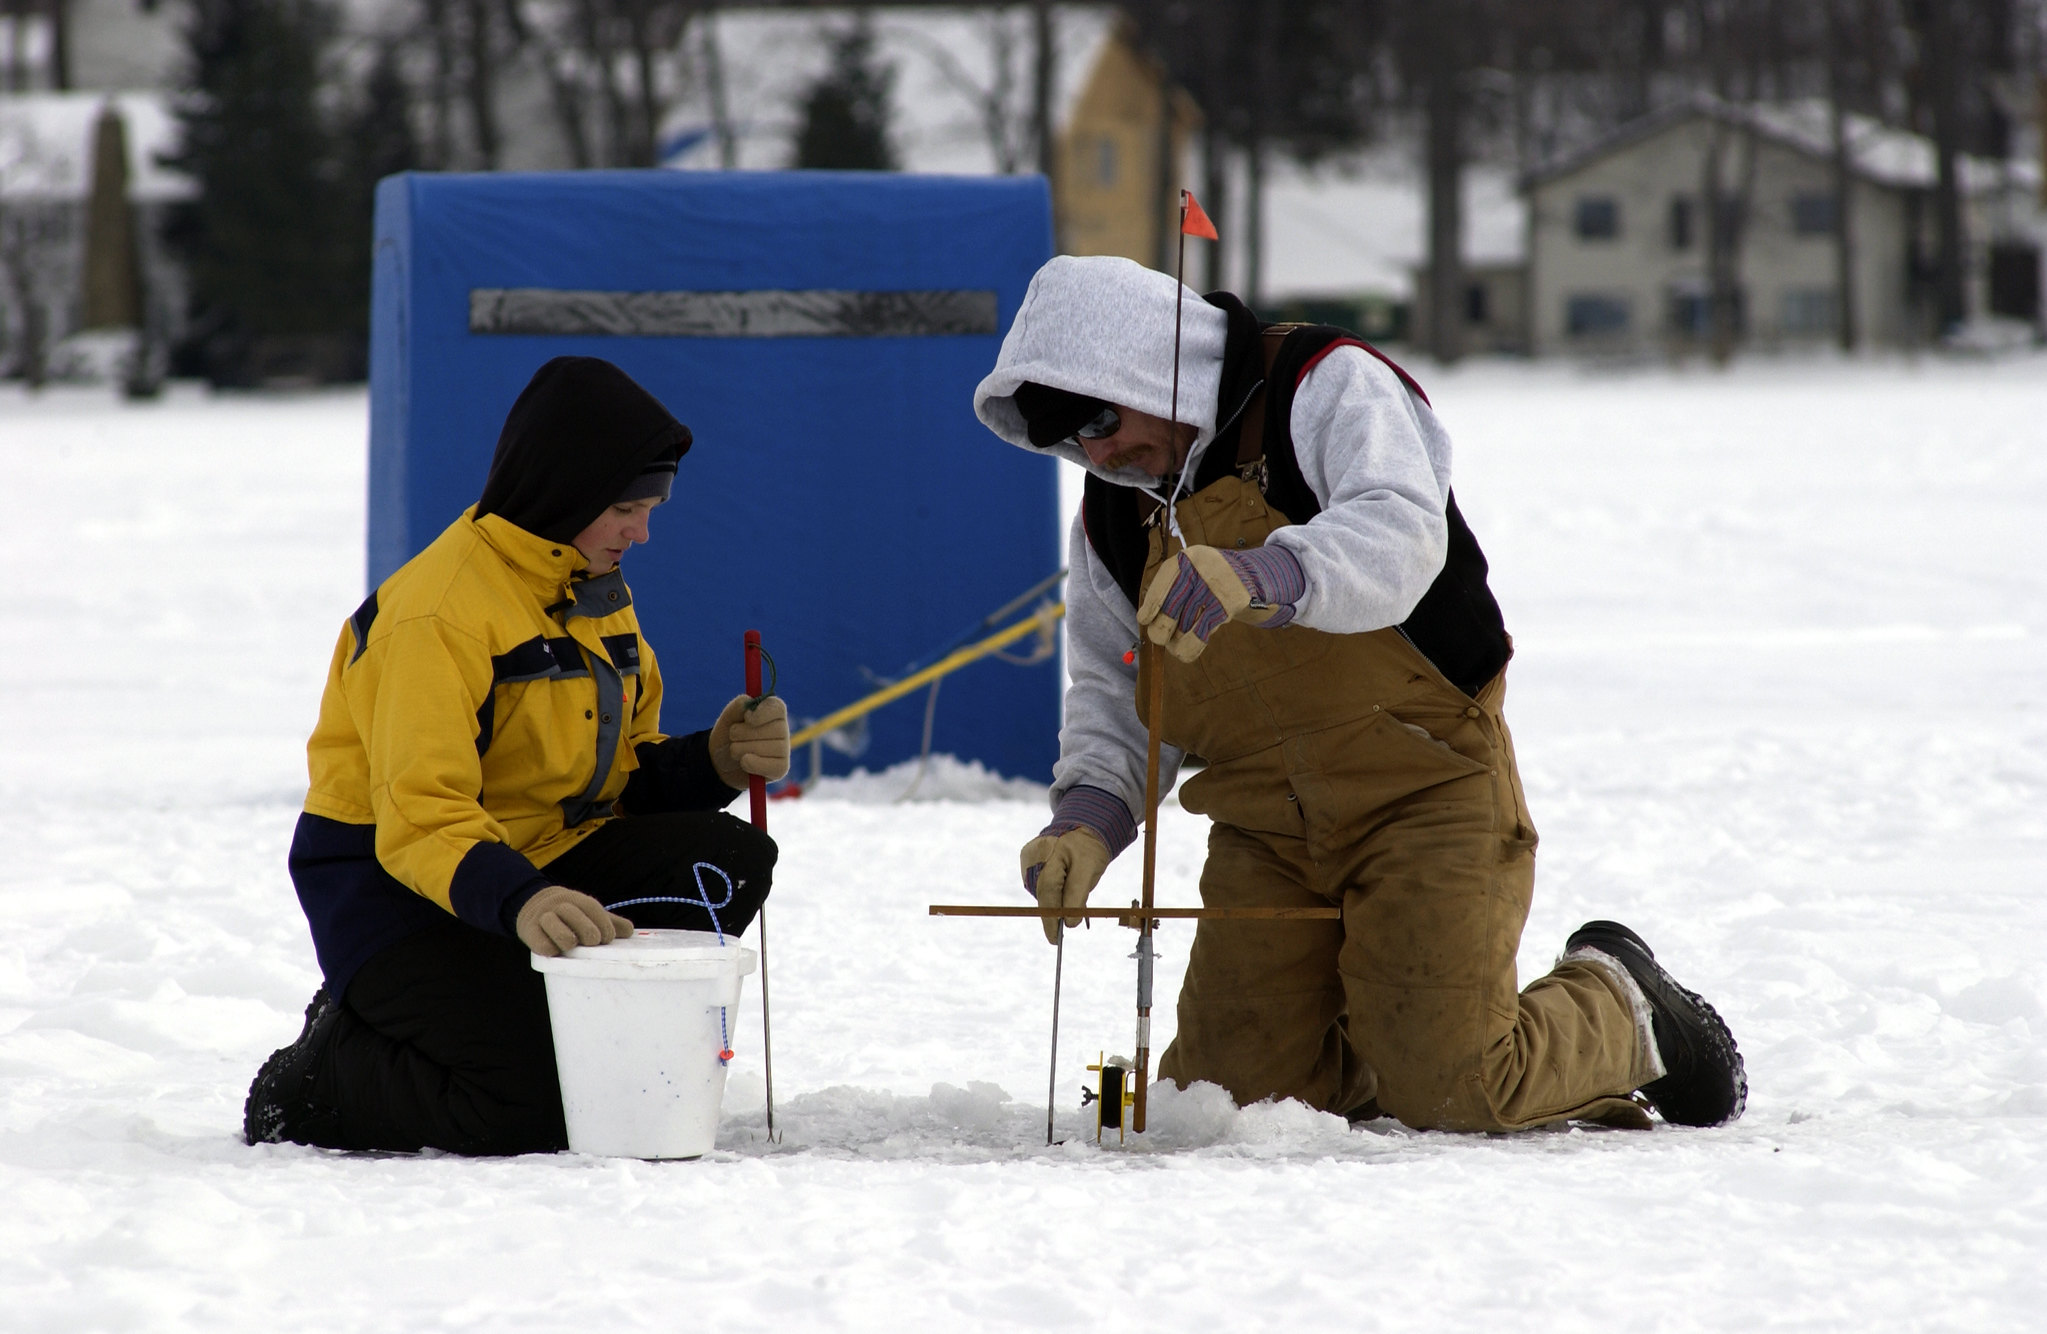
(1373, 453)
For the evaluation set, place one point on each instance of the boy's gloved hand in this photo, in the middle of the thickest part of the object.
(1189, 597)
(744, 743)
(558, 918)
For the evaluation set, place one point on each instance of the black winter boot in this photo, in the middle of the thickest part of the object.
(1704, 1081)
(280, 1105)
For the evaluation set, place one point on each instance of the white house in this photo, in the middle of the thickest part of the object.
(1616, 246)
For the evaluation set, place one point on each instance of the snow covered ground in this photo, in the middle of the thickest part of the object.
(1781, 637)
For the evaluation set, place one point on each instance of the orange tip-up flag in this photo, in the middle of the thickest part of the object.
(1193, 221)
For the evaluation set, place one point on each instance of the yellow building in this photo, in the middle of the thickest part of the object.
(1122, 147)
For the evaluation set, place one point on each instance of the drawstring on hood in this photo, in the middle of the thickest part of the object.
(580, 436)
(1102, 327)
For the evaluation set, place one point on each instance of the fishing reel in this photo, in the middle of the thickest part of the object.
(1111, 1096)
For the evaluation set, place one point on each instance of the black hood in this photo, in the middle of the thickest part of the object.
(578, 435)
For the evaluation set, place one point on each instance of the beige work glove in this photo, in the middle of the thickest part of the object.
(1191, 596)
(745, 743)
(1067, 867)
(559, 918)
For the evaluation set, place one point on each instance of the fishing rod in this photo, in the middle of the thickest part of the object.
(757, 798)
(1153, 670)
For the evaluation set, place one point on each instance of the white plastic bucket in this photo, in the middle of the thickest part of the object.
(637, 1041)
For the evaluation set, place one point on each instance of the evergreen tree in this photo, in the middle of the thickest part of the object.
(265, 239)
(379, 142)
(846, 113)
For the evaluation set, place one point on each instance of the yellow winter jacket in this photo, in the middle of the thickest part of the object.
(482, 711)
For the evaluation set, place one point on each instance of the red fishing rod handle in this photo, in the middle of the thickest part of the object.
(756, 786)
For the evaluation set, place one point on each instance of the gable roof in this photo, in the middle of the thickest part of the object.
(46, 145)
(1878, 153)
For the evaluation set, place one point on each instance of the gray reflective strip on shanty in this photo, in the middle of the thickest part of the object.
(817, 313)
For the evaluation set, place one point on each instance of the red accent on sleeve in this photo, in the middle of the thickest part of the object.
(1394, 366)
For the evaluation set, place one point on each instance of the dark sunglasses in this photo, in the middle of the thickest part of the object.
(1102, 425)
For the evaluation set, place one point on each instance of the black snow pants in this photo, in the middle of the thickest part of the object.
(443, 1041)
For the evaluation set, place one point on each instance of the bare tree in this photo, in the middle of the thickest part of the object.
(1967, 53)
(59, 12)
(1738, 54)
(1294, 76)
(1444, 65)
(1843, 29)
(557, 64)
(479, 28)
(1576, 69)
(1256, 118)
(1008, 127)
(1939, 62)
(15, 73)
(35, 230)
(1726, 185)
(438, 19)
(713, 57)
(1044, 81)
(611, 69)
(626, 53)
(1730, 59)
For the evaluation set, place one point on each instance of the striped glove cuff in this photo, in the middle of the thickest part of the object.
(1273, 576)
(1084, 807)
(1098, 812)
(1090, 808)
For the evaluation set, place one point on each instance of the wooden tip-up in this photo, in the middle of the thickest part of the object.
(1129, 915)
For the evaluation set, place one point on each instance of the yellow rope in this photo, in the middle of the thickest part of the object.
(945, 666)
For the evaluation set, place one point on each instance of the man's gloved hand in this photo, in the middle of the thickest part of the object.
(1062, 870)
(1203, 587)
(746, 742)
(559, 917)
(1063, 863)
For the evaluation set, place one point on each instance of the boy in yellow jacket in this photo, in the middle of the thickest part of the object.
(488, 773)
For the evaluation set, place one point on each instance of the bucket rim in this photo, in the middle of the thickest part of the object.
(652, 950)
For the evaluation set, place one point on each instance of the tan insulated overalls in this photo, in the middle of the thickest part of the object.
(1345, 769)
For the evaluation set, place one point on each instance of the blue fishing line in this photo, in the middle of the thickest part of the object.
(702, 900)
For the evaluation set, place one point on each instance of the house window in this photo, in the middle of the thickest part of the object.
(2015, 280)
(1690, 310)
(1476, 307)
(1812, 213)
(1105, 161)
(1807, 310)
(1599, 218)
(1591, 315)
(1680, 222)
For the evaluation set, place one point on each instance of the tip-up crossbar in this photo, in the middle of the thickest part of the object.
(1134, 911)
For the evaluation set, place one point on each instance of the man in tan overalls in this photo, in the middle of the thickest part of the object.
(1287, 542)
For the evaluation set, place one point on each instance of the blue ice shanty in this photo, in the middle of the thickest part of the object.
(821, 334)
